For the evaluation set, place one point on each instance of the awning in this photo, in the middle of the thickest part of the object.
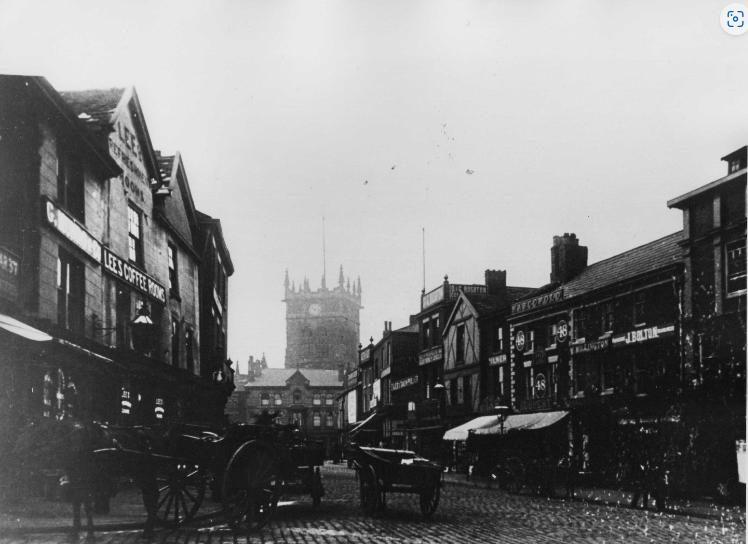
(461, 432)
(361, 424)
(522, 422)
(22, 329)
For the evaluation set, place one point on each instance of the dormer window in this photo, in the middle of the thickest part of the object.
(733, 166)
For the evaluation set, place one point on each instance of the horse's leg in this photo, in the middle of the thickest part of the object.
(149, 489)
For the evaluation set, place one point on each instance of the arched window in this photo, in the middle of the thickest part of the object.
(317, 421)
(328, 419)
(265, 399)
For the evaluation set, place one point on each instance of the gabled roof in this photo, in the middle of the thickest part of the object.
(209, 225)
(174, 176)
(54, 102)
(96, 106)
(482, 305)
(279, 377)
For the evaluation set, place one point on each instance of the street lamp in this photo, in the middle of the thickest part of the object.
(501, 412)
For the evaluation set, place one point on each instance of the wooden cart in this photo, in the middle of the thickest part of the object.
(381, 471)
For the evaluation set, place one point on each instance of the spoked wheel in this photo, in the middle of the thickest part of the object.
(251, 486)
(180, 493)
(429, 500)
(369, 490)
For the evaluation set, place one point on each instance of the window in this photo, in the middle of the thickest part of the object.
(297, 419)
(581, 319)
(328, 419)
(297, 397)
(171, 251)
(278, 399)
(606, 317)
(317, 399)
(123, 316)
(460, 344)
(188, 349)
(734, 166)
(174, 342)
(264, 399)
(317, 419)
(70, 292)
(531, 341)
(134, 236)
(736, 270)
(70, 192)
(426, 328)
(328, 399)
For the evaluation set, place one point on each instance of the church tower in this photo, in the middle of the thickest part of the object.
(322, 326)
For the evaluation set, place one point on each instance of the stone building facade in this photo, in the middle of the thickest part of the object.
(322, 326)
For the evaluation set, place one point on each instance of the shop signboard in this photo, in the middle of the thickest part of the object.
(72, 230)
(639, 336)
(9, 274)
(133, 276)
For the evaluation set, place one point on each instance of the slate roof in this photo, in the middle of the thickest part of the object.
(485, 304)
(627, 265)
(277, 377)
(94, 106)
(408, 328)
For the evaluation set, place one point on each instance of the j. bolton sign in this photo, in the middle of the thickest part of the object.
(537, 302)
(133, 276)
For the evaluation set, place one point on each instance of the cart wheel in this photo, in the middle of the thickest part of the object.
(430, 500)
(515, 476)
(369, 490)
(251, 486)
(180, 493)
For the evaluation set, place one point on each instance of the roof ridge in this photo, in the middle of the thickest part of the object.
(618, 255)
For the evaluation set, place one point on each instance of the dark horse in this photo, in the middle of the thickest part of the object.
(91, 456)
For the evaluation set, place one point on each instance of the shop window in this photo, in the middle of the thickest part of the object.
(735, 267)
(171, 251)
(134, 235)
(297, 397)
(70, 292)
(328, 420)
(460, 344)
(265, 399)
(317, 399)
(278, 399)
(70, 184)
(316, 419)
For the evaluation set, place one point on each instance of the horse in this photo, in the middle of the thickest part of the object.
(88, 454)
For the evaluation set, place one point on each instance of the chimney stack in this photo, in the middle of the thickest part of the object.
(568, 258)
(496, 282)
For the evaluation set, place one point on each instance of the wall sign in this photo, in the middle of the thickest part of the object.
(519, 341)
(497, 359)
(540, 386)
(404, 382)
(434, 354)
(72, 230)
(562, 331)
(597, 345)
(643, 335)
(537, 302)
(9, 273)
(133, 276)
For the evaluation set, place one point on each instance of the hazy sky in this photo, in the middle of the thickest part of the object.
(573, 116)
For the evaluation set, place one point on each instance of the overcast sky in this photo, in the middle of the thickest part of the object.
(572, 116)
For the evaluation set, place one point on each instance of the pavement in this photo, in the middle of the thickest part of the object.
(468, 512)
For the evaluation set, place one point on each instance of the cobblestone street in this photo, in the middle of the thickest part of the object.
(465, 514)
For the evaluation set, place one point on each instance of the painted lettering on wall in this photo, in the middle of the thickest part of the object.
(643, 335)
(404, 382)
(536, 302)
(72, 230)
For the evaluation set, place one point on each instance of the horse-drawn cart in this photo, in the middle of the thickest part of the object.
(246, 467)
(381, 471)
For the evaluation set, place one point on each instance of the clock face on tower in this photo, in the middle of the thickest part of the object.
(314, 309)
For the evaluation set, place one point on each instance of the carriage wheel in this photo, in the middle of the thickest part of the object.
(251, 486)
(371, 495)
(180, 493)
(515, 475)
(430, 500)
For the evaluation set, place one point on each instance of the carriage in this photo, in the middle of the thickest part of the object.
(381, 471)
(247, 468)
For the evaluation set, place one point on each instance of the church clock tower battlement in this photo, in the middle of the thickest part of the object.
(322, 326)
